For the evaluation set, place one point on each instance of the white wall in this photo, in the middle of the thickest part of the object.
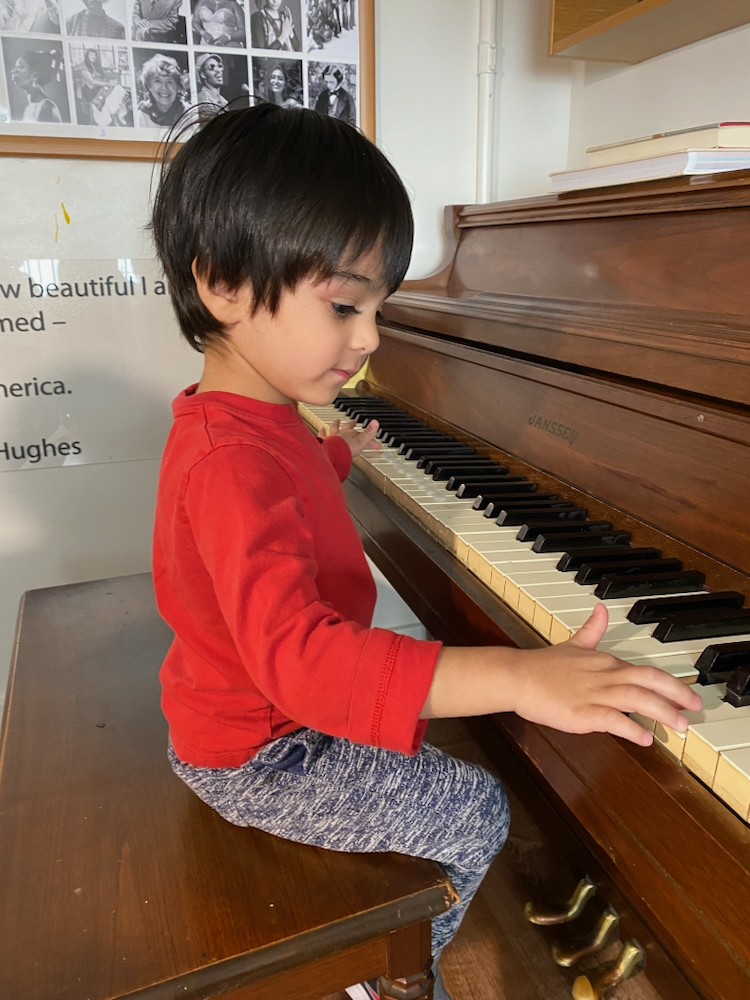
(699, 84)
(532, 103)
(427, 109)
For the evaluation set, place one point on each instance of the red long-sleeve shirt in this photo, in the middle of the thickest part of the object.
(259, 571)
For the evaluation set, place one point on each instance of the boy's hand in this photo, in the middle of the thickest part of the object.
(572, 686)
(357, 440)
(575, 688)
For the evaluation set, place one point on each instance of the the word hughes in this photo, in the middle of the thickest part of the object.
(35, 452)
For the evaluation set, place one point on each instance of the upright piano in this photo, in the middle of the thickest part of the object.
(584, 359)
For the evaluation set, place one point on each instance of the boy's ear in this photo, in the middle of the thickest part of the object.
(226, 305)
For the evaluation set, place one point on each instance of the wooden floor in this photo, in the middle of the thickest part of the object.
(496, 954)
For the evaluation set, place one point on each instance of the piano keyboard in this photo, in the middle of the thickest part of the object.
(716, 747)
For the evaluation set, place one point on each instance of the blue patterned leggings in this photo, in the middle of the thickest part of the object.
(321, 790)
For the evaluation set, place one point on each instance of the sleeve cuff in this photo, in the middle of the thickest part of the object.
(390, 688)
(339, 455)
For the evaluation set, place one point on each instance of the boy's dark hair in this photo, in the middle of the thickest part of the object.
(271, 196)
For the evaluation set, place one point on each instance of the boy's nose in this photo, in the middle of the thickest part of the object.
(368, 338)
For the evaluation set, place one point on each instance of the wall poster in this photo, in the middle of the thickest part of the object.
(128, 69)
(90, 351)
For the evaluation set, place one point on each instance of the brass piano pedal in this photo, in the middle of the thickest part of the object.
(568, 954)
(630, 961)
(545, 914)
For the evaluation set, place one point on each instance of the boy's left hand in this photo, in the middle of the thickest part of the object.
(357, 440)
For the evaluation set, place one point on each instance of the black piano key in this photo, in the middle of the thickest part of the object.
(420, 432)
(485, 499)
(482, 482)
(529, 515)
(361, 406)
(386, 416)
(414, 450)
(703, 624)
(738, 688)
(649, 584)
(521, 488)
(444, 468)
(429, 454)
(593, 572)
(585, 539)
(399, 435)
(574, 560)
(496, 508)
(420, 445)
(644, 612)
(718, 661)
(530, 531)
(429, 457)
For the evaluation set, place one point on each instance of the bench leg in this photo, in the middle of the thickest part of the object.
(409, 965)
(418, 987)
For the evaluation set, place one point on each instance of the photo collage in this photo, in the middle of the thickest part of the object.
(140, 64)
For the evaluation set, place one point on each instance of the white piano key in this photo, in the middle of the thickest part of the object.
(714, 709)
(707, 740)
(732, 780)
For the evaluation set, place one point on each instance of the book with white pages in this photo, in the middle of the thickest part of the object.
(719, 135)
(691, 162)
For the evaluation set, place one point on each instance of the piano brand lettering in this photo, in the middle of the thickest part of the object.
(553, 427)
(33, 453)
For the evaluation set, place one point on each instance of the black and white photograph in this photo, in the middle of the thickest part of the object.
(162, 85)
(4, 103)
(332, 28)
(219, 23)
(94, 18)
(160, 21)
(36, 16)
(278, 81)
(276, 24)
(220, 77)
(333, 90)
(35, 77)
(101, 84)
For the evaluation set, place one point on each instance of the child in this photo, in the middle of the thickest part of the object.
(281, 232)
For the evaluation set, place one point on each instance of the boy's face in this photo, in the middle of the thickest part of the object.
(319, 337)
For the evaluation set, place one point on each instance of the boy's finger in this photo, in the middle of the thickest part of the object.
(659, 682)
(589, 635)
(621, 725)
(368, 434)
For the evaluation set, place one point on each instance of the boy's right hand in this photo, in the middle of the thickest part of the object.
(578, 689)
(572, 686)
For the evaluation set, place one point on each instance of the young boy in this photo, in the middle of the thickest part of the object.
(281, 232)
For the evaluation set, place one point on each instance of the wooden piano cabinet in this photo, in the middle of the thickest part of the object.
(663, 851)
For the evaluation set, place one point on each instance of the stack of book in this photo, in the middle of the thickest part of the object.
(705, 150)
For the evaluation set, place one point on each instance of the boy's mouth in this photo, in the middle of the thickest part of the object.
(343, 373)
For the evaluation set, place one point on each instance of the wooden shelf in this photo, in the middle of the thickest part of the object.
(630, 31)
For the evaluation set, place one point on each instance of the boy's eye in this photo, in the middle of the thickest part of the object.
(342, 310)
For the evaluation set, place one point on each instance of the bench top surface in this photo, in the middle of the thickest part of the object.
(115, 879)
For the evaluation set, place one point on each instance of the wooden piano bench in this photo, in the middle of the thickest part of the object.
(117, 881)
